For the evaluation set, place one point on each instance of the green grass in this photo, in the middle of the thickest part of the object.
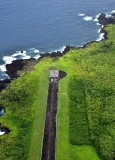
(39, 118)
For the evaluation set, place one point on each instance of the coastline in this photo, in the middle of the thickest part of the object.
(17, 65)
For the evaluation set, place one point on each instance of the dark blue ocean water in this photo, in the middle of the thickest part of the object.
(47, 25)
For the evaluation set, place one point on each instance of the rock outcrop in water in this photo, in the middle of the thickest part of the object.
(105, 20)
(17, 65)
(4, 84)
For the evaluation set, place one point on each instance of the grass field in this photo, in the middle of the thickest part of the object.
(39, 118)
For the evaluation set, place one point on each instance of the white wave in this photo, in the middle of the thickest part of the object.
(8, 59)
(101, 37)
(37, 57)
(113, 11)
(62, 49)
(88, 18)
(98, 24)
(99, 30)
(2, 133)
(26, 57)
(6, 75)
(59, 49)
(24, 52)
(96, 18)
(36, 51)
(81, 14)
(19, 54)
(31, 49)
(108, 15)
(3, 68)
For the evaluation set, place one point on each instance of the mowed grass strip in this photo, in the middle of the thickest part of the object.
(62, 145)
(39, 117)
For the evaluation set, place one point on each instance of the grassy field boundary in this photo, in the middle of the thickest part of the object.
(39, 119)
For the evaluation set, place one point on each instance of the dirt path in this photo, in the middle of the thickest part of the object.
(49, 140)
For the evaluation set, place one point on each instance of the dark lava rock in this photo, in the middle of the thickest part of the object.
(17, 65)
(44, 55)
(4, 84)
(104, 20)
(56, 54)
(67, 49)
(62, 74)
(1, 106)
(4, 129)
(14, 67)
(86, 45)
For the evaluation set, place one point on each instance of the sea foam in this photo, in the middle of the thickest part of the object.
(18, 53)
(81, 14)
(62, 49)
(98, 24)
(37, 57)
(3, 68)
(99, 30)
(101, 37)
(8, 59)
(2, 133)
(108, 15)
(113, 11)
(96, 18)
(59, 49)
(88, 18)
(26, 57)
(36, 51)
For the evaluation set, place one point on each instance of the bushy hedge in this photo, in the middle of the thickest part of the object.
(78, 120)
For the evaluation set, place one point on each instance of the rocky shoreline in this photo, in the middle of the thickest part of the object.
(18, 65)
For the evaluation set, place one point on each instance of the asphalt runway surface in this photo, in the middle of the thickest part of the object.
(49, 140)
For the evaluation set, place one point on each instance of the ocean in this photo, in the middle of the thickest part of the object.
(36, 27)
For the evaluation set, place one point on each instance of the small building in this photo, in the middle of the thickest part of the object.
(54, 75)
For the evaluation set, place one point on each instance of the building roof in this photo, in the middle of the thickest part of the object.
(54, 73)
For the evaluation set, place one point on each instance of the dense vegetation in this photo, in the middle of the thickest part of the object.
(18, 100)
(78, 122)
(88, 90)
(98, 62)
